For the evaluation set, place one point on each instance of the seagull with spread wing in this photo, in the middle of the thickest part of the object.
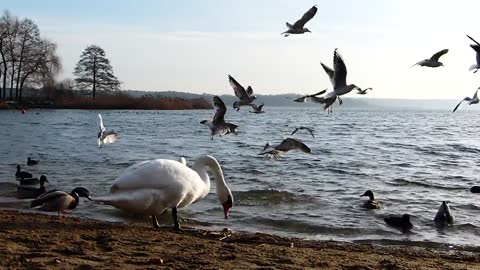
(310, 130)
(338, 78)
(364, 91)
(307, 97)
(432, 61)
(299, 26)
(257, 109)
(470, 100)
(246, 96)
(475, 47)
(104, 136)
(218, 126)
(286, 145)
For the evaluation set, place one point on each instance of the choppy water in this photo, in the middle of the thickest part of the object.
(412, 160)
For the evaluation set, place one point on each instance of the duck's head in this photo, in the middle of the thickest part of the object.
(18, 168)
(43, 180)
(82, 192)
(369, 193)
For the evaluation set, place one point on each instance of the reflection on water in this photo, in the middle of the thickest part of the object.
(411, 160)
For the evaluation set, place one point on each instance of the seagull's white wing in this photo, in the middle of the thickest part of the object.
(102, 128)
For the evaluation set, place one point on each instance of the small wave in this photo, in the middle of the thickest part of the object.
(424, 183)
(269, 197)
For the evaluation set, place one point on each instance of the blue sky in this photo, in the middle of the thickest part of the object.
(193, 45)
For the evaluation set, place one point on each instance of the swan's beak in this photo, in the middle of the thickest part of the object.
(226, 209)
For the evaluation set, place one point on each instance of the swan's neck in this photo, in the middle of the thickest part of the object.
(200, 166)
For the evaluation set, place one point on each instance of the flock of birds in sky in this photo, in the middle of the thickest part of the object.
(153, 186)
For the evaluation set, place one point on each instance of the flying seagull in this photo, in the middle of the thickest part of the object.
(364, 91)
(104, 136)
(433, 61)
(476, 47)
(218, 126)
(304, 128)
(298, 26)
(286, 145)
(246, 96)
(257, 109)
(305, 98)
(470, 100)
(338, 78)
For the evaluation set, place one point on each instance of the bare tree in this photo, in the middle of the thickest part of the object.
(94, 70)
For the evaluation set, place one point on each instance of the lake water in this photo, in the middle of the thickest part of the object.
(412, 160)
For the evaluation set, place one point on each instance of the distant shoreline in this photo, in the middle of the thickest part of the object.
(45, 241)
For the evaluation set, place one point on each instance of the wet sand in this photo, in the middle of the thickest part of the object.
(35, 241)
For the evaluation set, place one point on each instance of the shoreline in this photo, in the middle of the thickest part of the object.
(37, 241)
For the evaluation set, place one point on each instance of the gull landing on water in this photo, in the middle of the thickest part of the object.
(298, 26)
(246, 96)
(433, 61)
(470, 100)
(286, 145)
(104, 136)
(218, 126)
(476, 47)
(257, 109)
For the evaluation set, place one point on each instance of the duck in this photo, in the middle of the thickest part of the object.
(60, 201)
(25, 192)
(444, 216)
(475, 189)
(151, 187)
(22, 174)
(371, 203)
(400, 222)
(31, 161)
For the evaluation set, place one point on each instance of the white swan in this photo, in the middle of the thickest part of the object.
(153, 186)
(104, 136)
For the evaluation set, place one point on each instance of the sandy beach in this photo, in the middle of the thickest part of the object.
(35, 241)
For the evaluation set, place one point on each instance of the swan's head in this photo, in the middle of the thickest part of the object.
(227, 203)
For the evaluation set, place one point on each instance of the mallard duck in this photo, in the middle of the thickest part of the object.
(475, 189)
(22, 174)
(26, 192)
(444, 216)
(402, 222)
(59, 201)
(31, 161)
(371, 203)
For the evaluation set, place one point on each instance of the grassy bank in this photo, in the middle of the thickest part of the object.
(110, 102)
(34, 241)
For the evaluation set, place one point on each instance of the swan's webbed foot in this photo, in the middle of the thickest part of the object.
(155, 222)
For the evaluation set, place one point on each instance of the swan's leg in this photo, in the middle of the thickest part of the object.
(155, 222)
(175, 219)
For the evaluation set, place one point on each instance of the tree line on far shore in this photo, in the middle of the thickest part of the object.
(27, 60)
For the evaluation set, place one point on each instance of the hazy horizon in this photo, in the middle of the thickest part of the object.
(193, 46)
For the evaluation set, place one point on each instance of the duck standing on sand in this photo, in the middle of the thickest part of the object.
(444, 216)
(22, 174)
(60, 201)
(402, 222)
(31, 162)
(371, 203)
